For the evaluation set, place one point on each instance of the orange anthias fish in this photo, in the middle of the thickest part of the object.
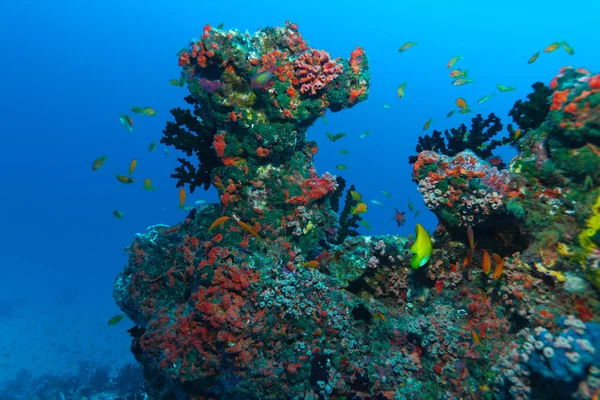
(471, 237)
(487, 262)
(361, 208)
(499, 266)
(132, 166)
(182, 196)
(533, 58)
(475, 337)
(427, 124)
(247, 228)
(98, 162)
(124, 179)
(518, 133)
(311, 264)
(552, 47)
(453, 61)
(218, 222)
(461, 103)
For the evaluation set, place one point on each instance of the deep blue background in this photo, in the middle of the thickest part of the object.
(70, 68)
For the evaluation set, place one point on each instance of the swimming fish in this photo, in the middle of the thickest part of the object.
(421, 248)
(152, 147)
(149, 111)
(451, 113)
(504, 88)
(518, 133)
(310, 264)
(218, 222)
(221, 25)
(361, 208)
(401, 90)
(457, 73)
(387, 106)
(132, 166)
(115, 319)
(465, 111)
(386, 194)
(148, 184)
(499, 266)
(341, 167)
(427, 124)
(399, 217)
(166, 152)
(365, 224)
(568, 48)
(98, 162)
(377, 203)
(417, 213)
(471, 237)
(181, 80)
(406, 46)
(182, 197)
(247, 228)
(127, 122)
(461, 103)
(365, 134)
(486, 98)
(118, 214)
(533, 58)
(336, 137)
(461, 81)
(261, 79)
(124, 179)
(343, 151)
(174, 82)
(411, 207)
(487, 262)
(356, 196)
(552, 47)
(138, 110)
(453, 61)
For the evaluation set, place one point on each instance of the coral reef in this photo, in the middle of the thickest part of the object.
(531, 113)
(269, 295)
(478, 139)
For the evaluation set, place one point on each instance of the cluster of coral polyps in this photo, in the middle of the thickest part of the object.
(315, 69)
(461, 190)
(575, 101)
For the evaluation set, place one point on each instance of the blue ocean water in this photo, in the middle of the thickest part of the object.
(70, 68)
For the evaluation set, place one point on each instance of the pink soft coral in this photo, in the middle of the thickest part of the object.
(315, 69)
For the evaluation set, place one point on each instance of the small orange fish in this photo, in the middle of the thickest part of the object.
(471, 237)
(475, 337)
(499, 267)
(552, 47)
(218, 222)
(182, 196)
(533, 58)
(98, 162)
(427, 124)
(378, 316)
(461, 103)
(487, 262)
(311, 264)
(401, 90)
(594, 149)
(132, 166)
(361, 208)
(453, 61)
(124, 179)
(247, 228)
(467, 259)
(457, 73)
(518, 133)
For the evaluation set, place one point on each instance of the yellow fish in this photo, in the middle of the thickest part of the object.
(182, 196)
(98, 162)
(457, 73)
(406, 46)
(461, 103)
(427, 124)
(453, 61)
(568, 48)
(116, 319)
(552, 47)
(148, 184)
(124, 179)
(149, 111)
(361, 208)
(401, 90)
(355, 195)
(422, 248)
(132, 166)
(533, 58)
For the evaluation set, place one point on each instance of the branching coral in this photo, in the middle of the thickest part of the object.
(478, 139)
(530, 114)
